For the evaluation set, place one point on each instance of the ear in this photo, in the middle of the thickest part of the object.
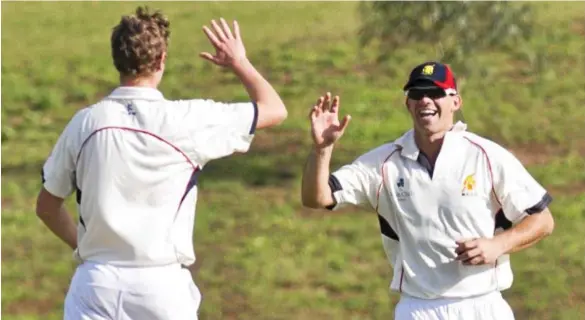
(406, 103)
(163, 61)
(457, 103)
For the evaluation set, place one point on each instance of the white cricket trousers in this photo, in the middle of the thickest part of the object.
(106, 292)
(491, 306)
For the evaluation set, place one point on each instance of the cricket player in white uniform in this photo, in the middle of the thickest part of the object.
(132, 160)
(451, 205)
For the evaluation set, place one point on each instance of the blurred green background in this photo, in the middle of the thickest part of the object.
(261, 255)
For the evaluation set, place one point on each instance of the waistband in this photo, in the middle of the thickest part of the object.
(129, 278)
(94, 263)
(495, 295)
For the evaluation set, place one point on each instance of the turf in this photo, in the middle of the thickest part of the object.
(260, 254)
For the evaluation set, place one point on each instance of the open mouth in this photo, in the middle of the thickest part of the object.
(427, 114)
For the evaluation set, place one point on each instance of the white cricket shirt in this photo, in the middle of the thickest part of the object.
(133, 160)
(477, 189)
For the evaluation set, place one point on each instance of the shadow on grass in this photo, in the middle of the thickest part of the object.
(274, 159)
(253, 169)
(26, 169)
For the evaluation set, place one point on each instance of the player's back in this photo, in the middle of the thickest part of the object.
(135, 183)
(133, 160)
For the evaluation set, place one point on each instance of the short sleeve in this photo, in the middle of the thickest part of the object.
(517, 191)
(219, 129)
(356, 183)
(58, 172)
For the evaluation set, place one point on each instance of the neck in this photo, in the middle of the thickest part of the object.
(430, 145)
(148, 82)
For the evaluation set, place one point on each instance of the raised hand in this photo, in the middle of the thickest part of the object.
(229, 48)
(325, 126)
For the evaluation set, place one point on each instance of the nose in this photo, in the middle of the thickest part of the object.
(424, 101)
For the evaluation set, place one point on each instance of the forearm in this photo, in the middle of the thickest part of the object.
(62, 225)
(270, 105)
(316, 192)
(51, 211)
(528, 232)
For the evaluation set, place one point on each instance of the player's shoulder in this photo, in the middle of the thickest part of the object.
(201, 107)
(99, 114)
(378, 154)
(80, 117)
(495, 151)
(191, 103)
(99, 110)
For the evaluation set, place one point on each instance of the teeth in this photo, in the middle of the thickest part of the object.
(427, 112)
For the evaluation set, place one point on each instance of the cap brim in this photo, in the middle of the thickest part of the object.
(423, 87)
(420, 83)
(447, 91)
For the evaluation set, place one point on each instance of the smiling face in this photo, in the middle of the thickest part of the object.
(432, 110)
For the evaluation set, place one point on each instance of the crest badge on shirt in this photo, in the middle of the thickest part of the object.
(401, 192)
(469, 186)
(130, 109)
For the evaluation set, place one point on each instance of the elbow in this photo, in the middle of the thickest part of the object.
(47, 204)
(309, 201)
(41, 213)
(39, 206)
(271, 117)
(40, 209)
(547, 223)
(311, 204)
(281, 115)
(549, 226)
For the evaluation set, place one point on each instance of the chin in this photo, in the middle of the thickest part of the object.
(429, 127)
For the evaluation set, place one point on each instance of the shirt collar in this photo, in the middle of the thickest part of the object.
(408, 146)
(141, 93)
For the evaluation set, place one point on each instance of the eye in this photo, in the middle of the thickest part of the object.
(416, 95)
(436, 94)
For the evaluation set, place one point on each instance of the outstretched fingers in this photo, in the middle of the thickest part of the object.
(335, 105)
(211, 36)
(327, 102)
(220, 34)
(344, 123)
(226, 28)
(208, 56)
(317, 109)
(237, 30)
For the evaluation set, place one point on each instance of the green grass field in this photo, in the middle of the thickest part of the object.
(260, 254)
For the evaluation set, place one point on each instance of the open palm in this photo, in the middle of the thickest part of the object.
(229, 48)
(326, 128)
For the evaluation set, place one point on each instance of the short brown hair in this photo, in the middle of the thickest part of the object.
(139, 41)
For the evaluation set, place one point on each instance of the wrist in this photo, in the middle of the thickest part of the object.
(502, 243)
(323, 150)
(242, 66)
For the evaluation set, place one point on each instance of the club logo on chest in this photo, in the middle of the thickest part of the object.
(401, 192)
(469, 186)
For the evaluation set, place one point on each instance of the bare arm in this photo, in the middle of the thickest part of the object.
(525, 234)
(326, 130)
(51, 211)
(271, 109)
(528, 232)
(230, 52)
(316, 192)
(522, 199)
